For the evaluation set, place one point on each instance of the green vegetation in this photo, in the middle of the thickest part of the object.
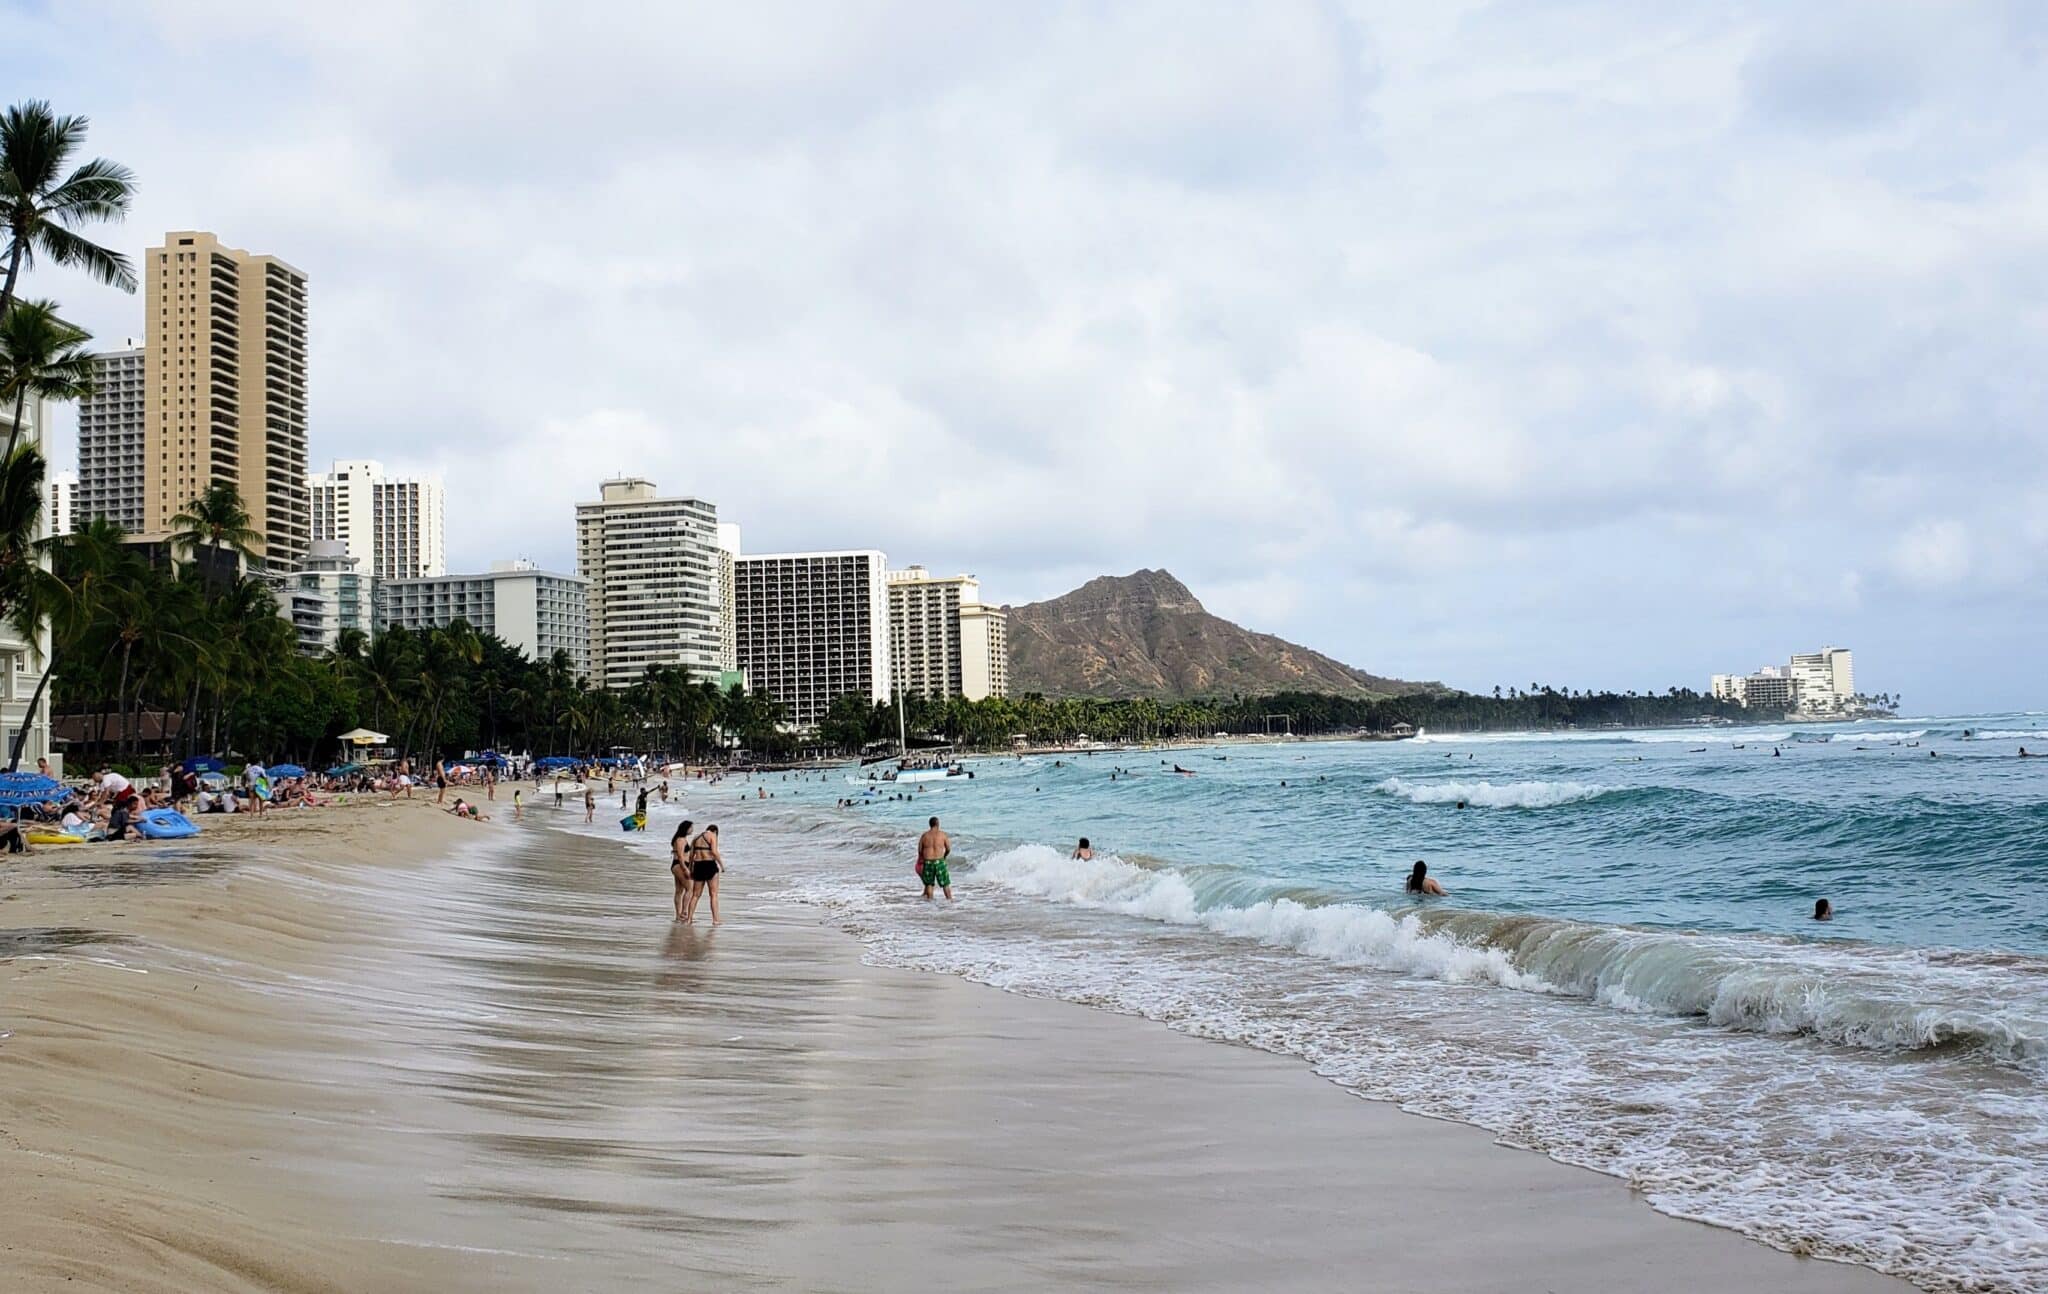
(998, 721)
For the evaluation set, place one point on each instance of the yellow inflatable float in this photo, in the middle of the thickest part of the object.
(45, 836)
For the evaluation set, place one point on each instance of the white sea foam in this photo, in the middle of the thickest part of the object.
(1640, 736)
(1485, 795)
(2010, 734)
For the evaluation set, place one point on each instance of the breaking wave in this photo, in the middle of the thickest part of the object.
(1485, 795)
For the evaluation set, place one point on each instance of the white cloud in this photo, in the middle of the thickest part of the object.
(1597, 317)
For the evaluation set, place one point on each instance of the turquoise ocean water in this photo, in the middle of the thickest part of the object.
(1624, 974)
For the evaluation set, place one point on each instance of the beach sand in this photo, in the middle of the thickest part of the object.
(376, 1048)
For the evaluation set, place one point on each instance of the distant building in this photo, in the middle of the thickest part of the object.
(225, 389)
(728, 640)
(539, 612)
(326, 596)
(111, 439)
(1813, 683)
(653, 572)
(60, 503)
(391, 525)
(943, 640)
(1824, 681)
(812, 627)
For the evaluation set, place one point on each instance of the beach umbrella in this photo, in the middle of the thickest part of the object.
(27, 788)
(343, 770)
(287, 770)
(202, 764)
(364, 737)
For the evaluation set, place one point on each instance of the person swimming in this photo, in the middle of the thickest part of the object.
(1823, 910)
(1421, 882)
(1083, 851)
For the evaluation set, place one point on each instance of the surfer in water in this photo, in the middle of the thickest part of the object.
(934, 850)
(1421, 882)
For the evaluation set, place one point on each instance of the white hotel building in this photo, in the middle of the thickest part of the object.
(811, 627)
(1812, 683)
(652, 567)
(943, 640)
(537, 611)
(391, 525)
(110, 440)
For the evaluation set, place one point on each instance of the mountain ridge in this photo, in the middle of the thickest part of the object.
(1147, 635)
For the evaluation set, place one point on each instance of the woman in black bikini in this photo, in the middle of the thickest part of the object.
(705, 865)
(679, 866)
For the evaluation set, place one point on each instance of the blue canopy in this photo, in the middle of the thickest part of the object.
(28, 788)
(203, 764)
(343, 770)
(493, 758)
(556, 761)
(287, 770)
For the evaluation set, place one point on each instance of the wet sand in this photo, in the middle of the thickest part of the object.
(380, 1049)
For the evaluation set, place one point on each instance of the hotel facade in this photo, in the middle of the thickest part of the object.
(812, 627)
(539, 612)
(652, 567)
(225, 389)
(943, 640)
(392, 525)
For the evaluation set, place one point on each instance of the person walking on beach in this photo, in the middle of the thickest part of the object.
(706, 862)
(934, 850)
(516, 793)
(589, 805)
(679, 867)
(440, 779)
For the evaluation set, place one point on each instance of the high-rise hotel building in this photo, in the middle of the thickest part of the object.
(943, 640)
(225, 389)
(391, 525)
(811, 627)
(653, 570)
(111, 439)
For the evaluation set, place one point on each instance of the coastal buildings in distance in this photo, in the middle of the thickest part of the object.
(943, 639)
(392, 525)
(812, 627)
(652, 569)
(1812, 683)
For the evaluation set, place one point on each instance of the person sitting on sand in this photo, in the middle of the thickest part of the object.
(706, 862)
(463, 809)
(1823, 910)
(1421, 882)
(934, 851)
(1082, 851)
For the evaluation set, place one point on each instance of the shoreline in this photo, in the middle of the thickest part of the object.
(808, 1118)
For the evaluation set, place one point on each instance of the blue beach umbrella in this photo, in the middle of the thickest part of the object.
(287, 770)
(202, 764)
(27, 788)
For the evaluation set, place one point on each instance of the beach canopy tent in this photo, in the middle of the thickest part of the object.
(493, 758)
(202, 764)
(364, 737)
(287, 770)
(556, 761)
(28, 788)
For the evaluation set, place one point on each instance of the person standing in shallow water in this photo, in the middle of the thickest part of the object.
(934, 850)
(679, 867)
(706, 862)
(1421, 882)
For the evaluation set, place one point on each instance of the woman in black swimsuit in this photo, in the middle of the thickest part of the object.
(679, 866)
(705, 865)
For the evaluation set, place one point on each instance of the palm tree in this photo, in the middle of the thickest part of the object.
(36, 596)
(42, 211)
(40, 356)
(218, 522)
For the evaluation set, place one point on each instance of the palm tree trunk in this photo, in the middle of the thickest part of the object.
(13, 273)
(14, 430)
(121, 694)
(28, 720)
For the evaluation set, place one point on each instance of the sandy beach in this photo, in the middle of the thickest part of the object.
(374, 1048)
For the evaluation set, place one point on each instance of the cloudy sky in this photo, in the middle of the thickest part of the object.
(1576, 342)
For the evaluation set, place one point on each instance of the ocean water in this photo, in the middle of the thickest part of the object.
(1624, 973)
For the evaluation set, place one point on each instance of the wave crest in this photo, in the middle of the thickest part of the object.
(1485, 795)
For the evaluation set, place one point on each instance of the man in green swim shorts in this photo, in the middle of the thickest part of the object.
(933, 849)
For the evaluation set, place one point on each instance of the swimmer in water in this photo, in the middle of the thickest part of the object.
(1421, 882)
(1823, 910)
(1082, 850)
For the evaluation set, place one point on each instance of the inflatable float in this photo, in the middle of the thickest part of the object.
(165, 824)
(47, 836)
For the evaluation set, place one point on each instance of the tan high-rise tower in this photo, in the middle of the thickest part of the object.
(226, 389)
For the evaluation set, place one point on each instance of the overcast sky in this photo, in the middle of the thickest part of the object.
(1595, 344)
